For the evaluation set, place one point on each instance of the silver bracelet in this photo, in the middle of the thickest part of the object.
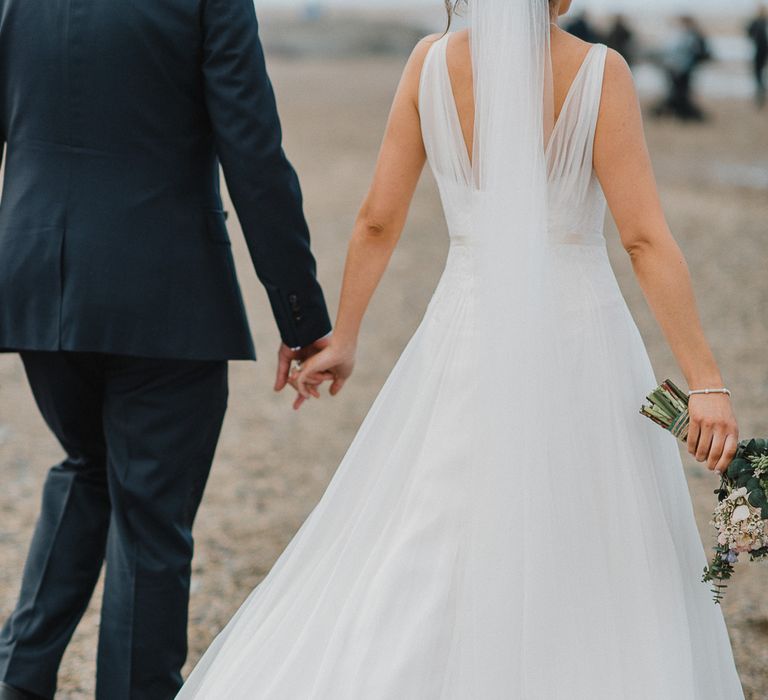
(725, 391)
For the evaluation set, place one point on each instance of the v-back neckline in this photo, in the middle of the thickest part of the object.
(466, 153)
(578, 78)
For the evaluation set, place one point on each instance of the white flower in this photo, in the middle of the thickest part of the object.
(738, 493)
(740, 513)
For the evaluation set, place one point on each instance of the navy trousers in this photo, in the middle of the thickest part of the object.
(139, 436)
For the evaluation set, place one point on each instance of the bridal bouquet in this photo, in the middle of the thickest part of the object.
(741, 516)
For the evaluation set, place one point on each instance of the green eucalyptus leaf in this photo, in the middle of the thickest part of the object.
(735, 468)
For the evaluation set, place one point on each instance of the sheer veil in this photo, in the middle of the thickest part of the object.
(515, 410)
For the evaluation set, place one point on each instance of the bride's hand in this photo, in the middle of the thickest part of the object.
(335, 364)
(713, 436)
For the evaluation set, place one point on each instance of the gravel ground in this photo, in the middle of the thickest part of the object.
(272, 464)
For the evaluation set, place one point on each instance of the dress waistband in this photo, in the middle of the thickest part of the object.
(595, 239)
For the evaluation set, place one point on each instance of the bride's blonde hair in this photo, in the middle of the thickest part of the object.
(452, 7)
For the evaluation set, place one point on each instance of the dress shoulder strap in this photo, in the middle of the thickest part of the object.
(574, 136)
(592, 87)
(440, 125)
(430, 81)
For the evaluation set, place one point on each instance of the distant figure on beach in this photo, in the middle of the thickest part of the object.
(581, 27)
(758, 34)
(313, 11)
(682, 57)
(621, 38)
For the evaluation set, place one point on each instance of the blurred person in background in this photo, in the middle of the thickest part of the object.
(313, 11)
(683, 56)
(621, 38)
(758, 34)
(581, 27)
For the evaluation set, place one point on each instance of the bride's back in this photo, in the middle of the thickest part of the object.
(568, 55)
(447, 110)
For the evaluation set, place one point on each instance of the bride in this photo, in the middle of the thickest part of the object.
(505, 525)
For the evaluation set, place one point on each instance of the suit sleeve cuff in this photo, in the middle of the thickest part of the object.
(299, 321)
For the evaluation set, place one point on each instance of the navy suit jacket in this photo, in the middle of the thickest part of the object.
(115, 115)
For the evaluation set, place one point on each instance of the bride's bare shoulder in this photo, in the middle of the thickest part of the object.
(568, 54)
(409, 83)
(571, 51)
(460, 38)
(422, 48)
(458, 43)
(418, 56)
(617, 70)
(619, 92)
(620, 121)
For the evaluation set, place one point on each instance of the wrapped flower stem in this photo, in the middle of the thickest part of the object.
(668, 407)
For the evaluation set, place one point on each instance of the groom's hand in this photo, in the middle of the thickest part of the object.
(286, 356)
(335, 364)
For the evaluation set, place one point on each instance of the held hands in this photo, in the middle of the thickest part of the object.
(286, 357)
(335, 364)
(323, 361)
(713, 436)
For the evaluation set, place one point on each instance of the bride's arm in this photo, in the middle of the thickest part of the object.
(624, 168)
(377, 229)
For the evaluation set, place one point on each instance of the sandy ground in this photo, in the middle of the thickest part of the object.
(273, 464)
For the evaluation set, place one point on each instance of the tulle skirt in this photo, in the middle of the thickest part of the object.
(399, 585)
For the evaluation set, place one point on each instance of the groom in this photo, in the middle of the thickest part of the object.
(118, 288)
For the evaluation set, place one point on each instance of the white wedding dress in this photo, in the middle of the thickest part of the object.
(398, 587)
